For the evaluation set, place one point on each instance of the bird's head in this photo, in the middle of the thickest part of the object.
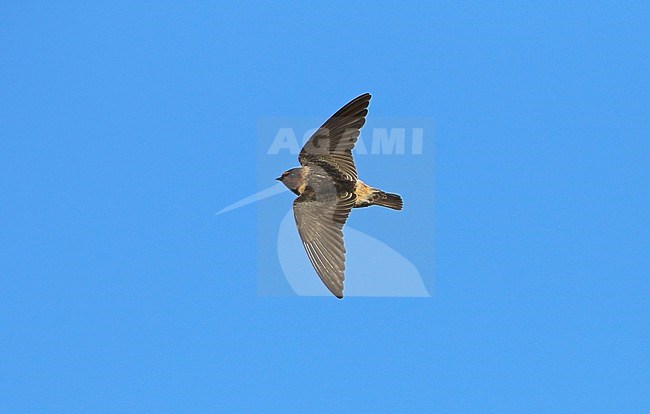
(292, 179)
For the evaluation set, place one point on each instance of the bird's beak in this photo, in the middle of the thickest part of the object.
(279, 178)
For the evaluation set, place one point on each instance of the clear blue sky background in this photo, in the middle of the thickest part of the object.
(125, 127)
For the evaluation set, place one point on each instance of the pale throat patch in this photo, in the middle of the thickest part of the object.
(303, 174)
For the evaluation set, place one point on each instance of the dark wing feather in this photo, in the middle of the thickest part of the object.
(320, 220)
(333, 142)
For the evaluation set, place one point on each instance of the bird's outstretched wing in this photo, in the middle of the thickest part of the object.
(320, 218)
(333, 142)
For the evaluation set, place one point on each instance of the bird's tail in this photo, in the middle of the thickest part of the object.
(389, 200)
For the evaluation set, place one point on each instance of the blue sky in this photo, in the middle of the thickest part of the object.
(126, 127)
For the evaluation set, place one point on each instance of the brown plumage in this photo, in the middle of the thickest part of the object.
(328, 189)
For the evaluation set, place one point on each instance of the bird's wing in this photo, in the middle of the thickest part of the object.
(333, 142)
(320, 219)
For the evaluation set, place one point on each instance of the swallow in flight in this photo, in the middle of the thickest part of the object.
(328, 188)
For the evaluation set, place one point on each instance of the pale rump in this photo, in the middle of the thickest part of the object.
(363, 192)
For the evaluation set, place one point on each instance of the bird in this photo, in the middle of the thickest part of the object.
(328, 188)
